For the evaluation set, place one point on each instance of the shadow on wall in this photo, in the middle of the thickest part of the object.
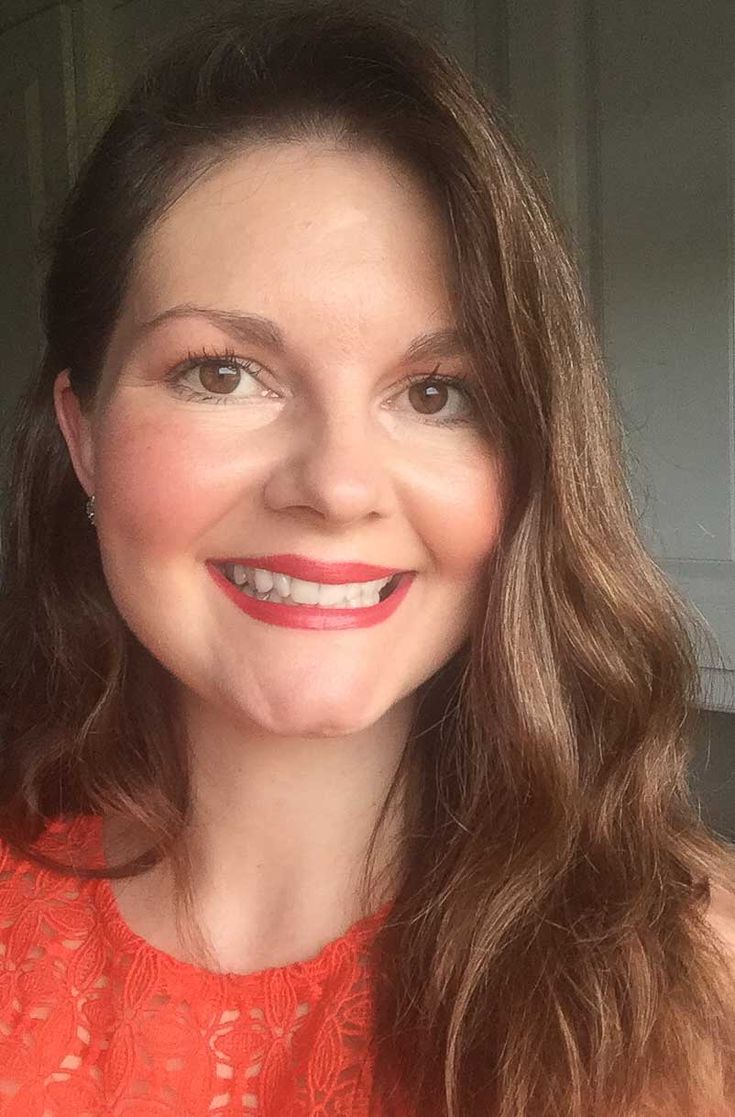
(713, 770)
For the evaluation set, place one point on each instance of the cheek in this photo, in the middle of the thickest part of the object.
(157, 482)
(467, 506)
(163, 481)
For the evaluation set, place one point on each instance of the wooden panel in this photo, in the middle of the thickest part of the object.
(37, 141)
(140, 27)
(13, 12)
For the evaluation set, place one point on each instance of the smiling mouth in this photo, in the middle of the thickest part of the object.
(280, 589)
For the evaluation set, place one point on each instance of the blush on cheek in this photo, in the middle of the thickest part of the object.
(151, 486)
(472, 519)
(468, 543)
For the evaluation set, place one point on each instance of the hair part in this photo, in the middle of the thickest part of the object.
(547, 950)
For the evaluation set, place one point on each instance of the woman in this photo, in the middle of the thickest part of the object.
(343, 759)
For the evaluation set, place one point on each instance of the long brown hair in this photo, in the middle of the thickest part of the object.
(547, 952)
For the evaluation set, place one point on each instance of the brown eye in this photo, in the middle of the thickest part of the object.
(429, 397)
(429, 400)
(218, 378)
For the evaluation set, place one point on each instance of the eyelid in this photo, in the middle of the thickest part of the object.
(460, 380)
(225, 350)
(223, 356)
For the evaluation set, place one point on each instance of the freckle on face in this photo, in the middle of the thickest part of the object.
(324, 471)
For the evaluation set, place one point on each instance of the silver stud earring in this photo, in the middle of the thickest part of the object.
(90, 509)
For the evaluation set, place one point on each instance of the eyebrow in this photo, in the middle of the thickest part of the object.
(254, 328)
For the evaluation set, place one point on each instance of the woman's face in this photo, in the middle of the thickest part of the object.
(315, 446)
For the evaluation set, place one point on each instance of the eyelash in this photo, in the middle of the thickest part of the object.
(228, 357)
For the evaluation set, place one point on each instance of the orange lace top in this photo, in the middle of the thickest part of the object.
(94, 1020)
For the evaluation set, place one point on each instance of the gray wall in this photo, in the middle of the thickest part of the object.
(713, 775)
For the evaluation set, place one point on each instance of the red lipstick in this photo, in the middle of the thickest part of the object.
(311, 570)
(314, 616)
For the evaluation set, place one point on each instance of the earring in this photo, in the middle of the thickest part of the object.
(90, 509)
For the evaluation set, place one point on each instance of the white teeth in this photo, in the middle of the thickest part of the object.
(280, 588)
(331, 595)
(303, 593)
(263, 581)
(282, 584)
(369, 596)
(239, 574)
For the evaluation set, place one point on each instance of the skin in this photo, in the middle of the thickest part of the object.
(295, 734)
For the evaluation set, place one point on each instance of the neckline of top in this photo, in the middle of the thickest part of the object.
(309, 971)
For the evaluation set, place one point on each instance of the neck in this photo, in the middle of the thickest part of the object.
(278, 837)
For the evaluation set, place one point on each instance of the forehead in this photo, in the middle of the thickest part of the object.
(293, 216)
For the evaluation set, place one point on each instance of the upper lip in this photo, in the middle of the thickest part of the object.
(311, 570)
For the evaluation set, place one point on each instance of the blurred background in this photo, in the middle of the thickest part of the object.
(627, 107)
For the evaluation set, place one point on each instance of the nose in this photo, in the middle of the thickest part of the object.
(335, 465)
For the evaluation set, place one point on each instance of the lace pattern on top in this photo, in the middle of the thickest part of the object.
(95, 1020)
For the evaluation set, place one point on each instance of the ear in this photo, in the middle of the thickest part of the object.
(76, 429)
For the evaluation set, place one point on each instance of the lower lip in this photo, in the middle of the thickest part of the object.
(312, 616)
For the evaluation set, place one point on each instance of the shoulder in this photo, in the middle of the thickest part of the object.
(44, 905)
(63, 834)
(46, 865)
